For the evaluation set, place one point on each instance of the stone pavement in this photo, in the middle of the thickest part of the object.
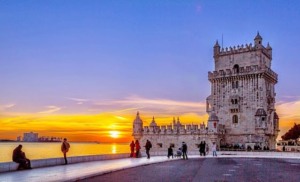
(73, 172)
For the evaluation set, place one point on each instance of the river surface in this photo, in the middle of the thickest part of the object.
(43, 150)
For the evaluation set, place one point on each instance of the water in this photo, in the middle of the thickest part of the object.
(40, 150)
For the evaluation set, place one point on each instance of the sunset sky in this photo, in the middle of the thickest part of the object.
(82, 69)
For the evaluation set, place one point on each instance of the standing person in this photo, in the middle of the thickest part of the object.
(148, 146)
(132, 145)
(201, 148)
(184, 151)
(20, 157)
(206, 149)
(65, 146)
(137, 148)
(214, 149)
(204, 146)
(170, 152)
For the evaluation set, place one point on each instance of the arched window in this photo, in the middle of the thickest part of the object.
(235, 119)
(236, 68)
(235, 84)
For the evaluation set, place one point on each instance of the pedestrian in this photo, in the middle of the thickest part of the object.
(184, 150)
(20, 158)
(200, 148)
(214, 149)
(137, 148)
(132, 145)
(170, 152)
(283, 148)
(65, 146)
(206, 149)
(148, 146)
(203, 148)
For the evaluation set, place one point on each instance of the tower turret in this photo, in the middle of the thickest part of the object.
(258, 41)
(216, 49)
(269, 50)
(261, 119)
(137, 127)
(212, 123)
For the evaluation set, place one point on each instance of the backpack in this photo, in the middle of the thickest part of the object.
(150, 145)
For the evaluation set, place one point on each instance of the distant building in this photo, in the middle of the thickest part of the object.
(241, 106)
(19, 138)
(30, 137)
(49, 139)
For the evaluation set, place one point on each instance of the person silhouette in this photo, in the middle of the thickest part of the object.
(20, 157)
(65, 146)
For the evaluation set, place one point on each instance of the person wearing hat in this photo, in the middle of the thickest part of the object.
(184, 150)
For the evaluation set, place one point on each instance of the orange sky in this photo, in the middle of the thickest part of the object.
(116, 125)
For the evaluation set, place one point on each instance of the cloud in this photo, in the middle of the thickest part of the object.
(77, 100)
(151, 106)
(7, 106)
(51, 109)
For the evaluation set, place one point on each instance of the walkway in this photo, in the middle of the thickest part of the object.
(84, 170)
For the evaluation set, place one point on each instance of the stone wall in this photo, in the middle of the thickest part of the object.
(12, 166)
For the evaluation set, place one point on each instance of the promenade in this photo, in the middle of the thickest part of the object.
(84, 170)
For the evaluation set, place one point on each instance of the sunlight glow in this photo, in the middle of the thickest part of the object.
(114, 134)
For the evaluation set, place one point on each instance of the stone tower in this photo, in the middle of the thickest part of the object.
(137, 127)
(243, 95)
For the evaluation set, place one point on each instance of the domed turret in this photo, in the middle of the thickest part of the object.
(153, 123)
(216, 49)
(137, 127)
(260, 112)
(258, 41)
(213, 117)
(260, 118)
(212, 123)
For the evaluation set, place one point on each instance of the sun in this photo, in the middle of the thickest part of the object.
(114, 134)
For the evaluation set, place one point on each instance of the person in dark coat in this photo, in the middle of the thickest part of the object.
(203, 148)
(137, 148)
(132, 145)
(20, 157)
(65, 146)
(170, 152)
(148, 147)
(184, 150)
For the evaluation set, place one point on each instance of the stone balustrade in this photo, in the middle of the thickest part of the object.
(12, 166)
(255, 69)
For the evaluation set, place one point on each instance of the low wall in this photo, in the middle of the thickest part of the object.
(236, 153)
(12, 166)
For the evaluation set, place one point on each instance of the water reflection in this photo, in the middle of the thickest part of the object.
(39, 150)
(113, 148)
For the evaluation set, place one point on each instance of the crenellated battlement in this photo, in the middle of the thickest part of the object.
(176, 129)
(242, 49)
(254, 69)
(218, 51)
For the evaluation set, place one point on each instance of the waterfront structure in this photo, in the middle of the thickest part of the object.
(241, 106)
(30, 137)
(49, 139)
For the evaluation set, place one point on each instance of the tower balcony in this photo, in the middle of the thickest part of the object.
(243, 71)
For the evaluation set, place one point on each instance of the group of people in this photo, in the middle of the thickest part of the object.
(182, 151)
(203, 148)
(136, 145)
(19, 156)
